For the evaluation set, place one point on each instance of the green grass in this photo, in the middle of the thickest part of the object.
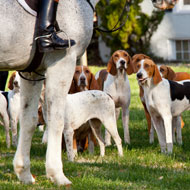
(141, 167)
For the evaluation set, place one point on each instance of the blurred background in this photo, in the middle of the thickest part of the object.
(163, 35)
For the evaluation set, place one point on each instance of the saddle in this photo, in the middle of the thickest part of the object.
(31, 6)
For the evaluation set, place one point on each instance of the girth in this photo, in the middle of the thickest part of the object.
(5, 94)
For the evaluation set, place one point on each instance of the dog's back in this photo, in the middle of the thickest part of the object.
(87, 105)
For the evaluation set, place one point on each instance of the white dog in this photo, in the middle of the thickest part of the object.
(10, 108)
(93, 105)
(165, 100)
(115, 82)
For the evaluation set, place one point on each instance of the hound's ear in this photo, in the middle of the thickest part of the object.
(146, 56)
(72, 89)
(130, 68)
(101, 78)
(171, 74)
(134, 65)
(111, 68)
(10, 84)
(156, 76)
(93, 83)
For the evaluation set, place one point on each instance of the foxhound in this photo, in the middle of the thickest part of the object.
(83, 80)
(165, 100)
(10, 107)
(77, 112)
(115, 82)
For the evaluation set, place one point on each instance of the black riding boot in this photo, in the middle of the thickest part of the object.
(47, 39)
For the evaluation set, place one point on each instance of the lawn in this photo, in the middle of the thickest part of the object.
(141, 167)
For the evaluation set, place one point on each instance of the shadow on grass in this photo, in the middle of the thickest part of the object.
(138, 129)
(140, 138)
(119, 176)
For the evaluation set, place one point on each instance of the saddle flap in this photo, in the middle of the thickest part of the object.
(31, 6)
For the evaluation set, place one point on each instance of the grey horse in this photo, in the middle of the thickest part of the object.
(17, 45)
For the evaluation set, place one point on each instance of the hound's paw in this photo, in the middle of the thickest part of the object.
(107, 143)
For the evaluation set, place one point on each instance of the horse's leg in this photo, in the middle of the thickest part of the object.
(44, 113)
(58, 81)
(30, 93)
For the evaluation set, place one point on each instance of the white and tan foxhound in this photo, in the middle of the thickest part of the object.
(165, 100)
(115, 82)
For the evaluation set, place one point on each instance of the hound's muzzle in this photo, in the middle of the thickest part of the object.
(139, 75)
(122, 64)
(82, 81)
(16, 83)
(141, 78)
(164, 4)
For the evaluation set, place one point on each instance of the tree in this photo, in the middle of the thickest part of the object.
(135, 35)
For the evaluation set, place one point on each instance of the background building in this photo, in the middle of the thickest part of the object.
(171, 41)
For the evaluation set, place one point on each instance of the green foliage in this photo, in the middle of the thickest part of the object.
(135, 35)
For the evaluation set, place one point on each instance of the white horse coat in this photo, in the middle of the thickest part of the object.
(17, 45)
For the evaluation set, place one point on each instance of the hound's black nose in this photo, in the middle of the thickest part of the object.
(139, 75)
(16, 83)
(122, 62)
(82, 80)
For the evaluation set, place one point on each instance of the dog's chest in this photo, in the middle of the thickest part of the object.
(148, 97)
(120, 91)
(15, 99)
(120, 86)
(155, 99)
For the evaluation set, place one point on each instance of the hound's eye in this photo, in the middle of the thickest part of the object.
(87, 71)
(146, 66)
(116, 55)
(125, 55)
(77, 72)
(161, 70)
(138, 66)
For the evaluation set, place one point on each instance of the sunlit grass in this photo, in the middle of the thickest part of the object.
(141, 167)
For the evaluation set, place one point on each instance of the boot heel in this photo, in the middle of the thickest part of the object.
(45, 49)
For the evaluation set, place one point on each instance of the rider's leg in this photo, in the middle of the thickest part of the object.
(47, 38)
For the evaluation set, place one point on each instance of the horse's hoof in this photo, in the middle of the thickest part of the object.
(60, 179)
(27, 180)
